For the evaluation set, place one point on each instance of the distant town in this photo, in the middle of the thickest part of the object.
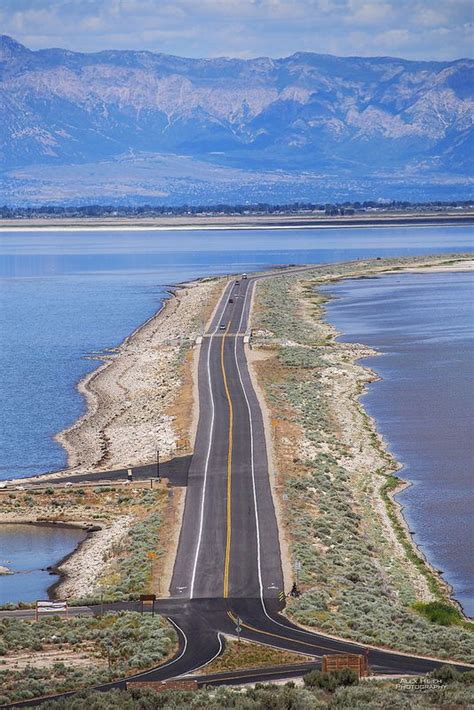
(262, 208)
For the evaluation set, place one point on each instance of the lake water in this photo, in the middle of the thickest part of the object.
(424, 403)
(27, 550)
(67, 295)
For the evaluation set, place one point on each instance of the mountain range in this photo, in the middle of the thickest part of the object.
(143, 126)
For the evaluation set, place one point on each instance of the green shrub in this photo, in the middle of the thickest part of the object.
(330, 681)
(439, 612)
(348, 565)
(133, 641)
(446, 673)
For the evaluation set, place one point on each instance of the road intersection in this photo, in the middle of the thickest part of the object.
(228, 564)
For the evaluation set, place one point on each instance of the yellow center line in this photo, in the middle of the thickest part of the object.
(278, 636)
(229, 473)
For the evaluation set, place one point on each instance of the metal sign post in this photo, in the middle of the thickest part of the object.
(238, 628)
(297, 571)
(146, 599)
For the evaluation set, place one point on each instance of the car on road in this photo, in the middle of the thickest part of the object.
(244, 276)
(231, 300)
(222, 326)
(237, 283)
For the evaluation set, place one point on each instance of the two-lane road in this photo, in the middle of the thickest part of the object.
(229, 546)
(228, 562)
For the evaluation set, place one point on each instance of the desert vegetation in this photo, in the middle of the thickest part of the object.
(56, 654)
(450, 690)
(361, 576)
(121, 560)
(245, 654)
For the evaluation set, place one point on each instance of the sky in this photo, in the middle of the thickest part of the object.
(414, 29)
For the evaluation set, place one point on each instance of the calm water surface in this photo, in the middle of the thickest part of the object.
(67, 295)
(27, 550)
(424, 403)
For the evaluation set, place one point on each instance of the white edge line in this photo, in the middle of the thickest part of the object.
(257, 521)
(206, 467)
(173, 660)
(274, 621)
(203, 665)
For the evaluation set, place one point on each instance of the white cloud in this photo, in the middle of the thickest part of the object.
(370, 13)
(409, 28)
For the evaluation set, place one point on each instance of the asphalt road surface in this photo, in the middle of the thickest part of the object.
(228, 566)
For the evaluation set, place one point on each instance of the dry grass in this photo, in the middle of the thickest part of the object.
(244, 654)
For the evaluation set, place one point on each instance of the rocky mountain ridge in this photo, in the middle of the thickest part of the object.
(357, 117)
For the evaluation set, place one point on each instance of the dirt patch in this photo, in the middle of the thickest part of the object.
(245, 654)
(49, 655)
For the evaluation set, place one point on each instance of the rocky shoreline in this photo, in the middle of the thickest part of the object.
(129, 397)
(133, 398)
(139, 398)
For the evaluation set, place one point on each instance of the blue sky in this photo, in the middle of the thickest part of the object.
(415, 29)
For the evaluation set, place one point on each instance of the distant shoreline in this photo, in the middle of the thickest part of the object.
(222, 222)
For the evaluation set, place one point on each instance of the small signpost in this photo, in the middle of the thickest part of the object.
(297, 567)
(238, 628)
(148, 599)
(46, 606)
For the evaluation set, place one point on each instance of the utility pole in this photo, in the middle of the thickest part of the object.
(109, 659)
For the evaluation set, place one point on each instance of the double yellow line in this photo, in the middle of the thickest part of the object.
(229, 472)
(262, 632)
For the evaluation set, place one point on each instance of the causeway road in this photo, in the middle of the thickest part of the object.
(228, 572)
(228, 569)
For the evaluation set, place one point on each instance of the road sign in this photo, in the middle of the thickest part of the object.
(148, 599)
(238, 627)
(45, 606)
(336, 661)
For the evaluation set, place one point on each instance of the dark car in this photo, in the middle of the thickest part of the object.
(222, 326)
(231, 300)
